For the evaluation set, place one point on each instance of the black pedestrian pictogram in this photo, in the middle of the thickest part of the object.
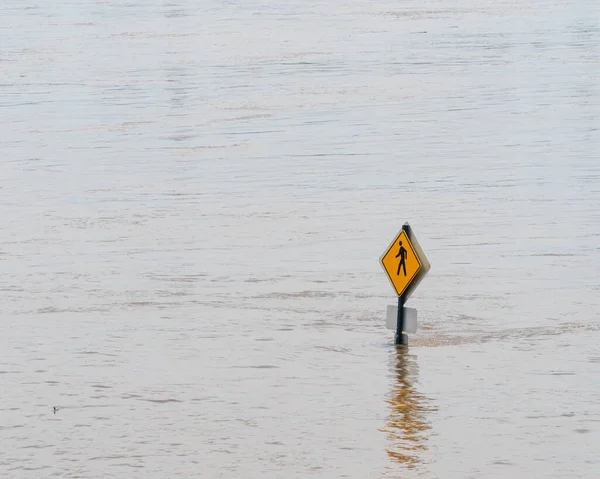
(402, 254)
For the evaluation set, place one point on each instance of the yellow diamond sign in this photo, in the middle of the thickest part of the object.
(401, 263)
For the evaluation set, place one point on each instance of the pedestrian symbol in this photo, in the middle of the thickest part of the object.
(401, 263)
(402, 255)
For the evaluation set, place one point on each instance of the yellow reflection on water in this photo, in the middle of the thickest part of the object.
(407, 424)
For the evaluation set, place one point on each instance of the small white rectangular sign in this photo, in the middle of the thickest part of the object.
(410, 319)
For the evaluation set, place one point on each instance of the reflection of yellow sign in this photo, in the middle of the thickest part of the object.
(401, 263)
(407, 426)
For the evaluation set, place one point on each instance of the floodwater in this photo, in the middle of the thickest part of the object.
(194, 198)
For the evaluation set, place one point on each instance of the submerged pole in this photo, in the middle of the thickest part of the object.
(401, 338)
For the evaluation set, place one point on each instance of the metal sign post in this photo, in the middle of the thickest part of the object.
(406, 265)
(400, 338)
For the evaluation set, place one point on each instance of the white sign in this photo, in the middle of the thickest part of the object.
(410, 319)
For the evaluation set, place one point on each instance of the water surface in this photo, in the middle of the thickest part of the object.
(195, 196)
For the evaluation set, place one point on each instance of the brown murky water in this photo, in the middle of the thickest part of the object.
(194, 199)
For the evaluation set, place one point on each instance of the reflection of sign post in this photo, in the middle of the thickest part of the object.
(405, 265)
(407, 425)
